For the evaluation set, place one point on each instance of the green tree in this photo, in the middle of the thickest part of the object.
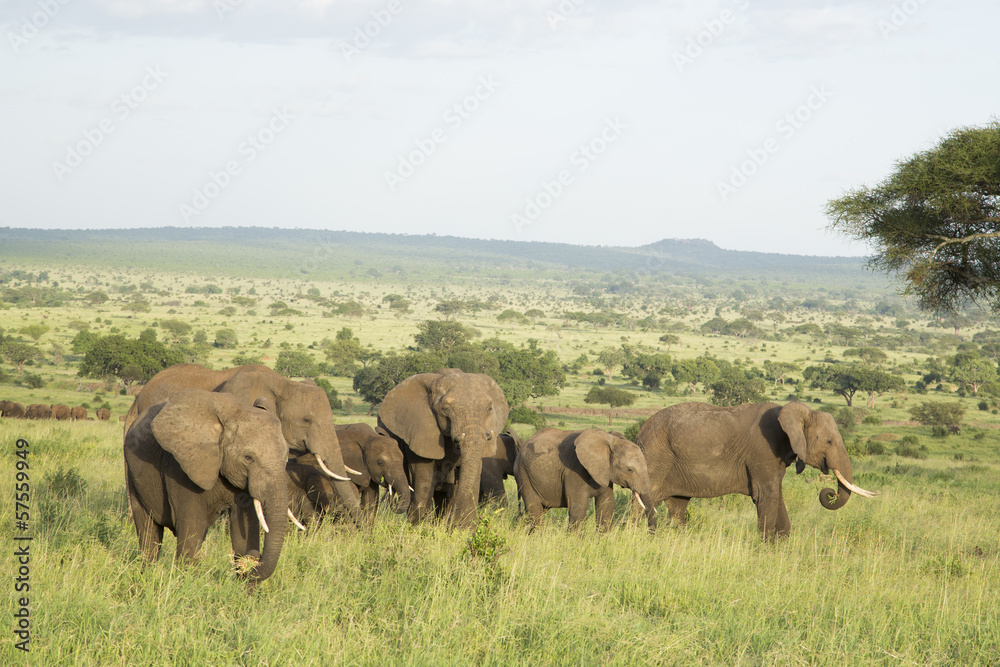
(19, 353)
(97, 297)
(613, 397)
(935, 220)
(295, 363)
(226, 339)
(694, 371)
(511, 315)
(111, 355)
(778, 371)
(176, 328)
(670, 340)
(35, 331)
(611, 358)
(524, 372)
(342, 352)
(375, 380)
(974, 372)
(735, 387)
(83, 340)
(443, 335)
(136, 305)
(939, 413)
(842, 379)
(874, 382)
(331, 394)
(869, 355)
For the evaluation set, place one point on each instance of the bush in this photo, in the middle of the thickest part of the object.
(632, 431)
(224, 338)
(65, 483)
(32, 380)
(874, 448)
(910, 451)
(983, 405)
(939, 432)
(331, 393)
(525, 415)
(872, 419)
(845, 420)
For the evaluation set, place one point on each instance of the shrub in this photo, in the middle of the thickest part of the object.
(331, 393)
(983, 405)
(525, 415)
(65, 483)
(845, 420)
(632, 431)
(32, 380)
(225, 338)
(910, 451)
(874, 448)
(872, 419)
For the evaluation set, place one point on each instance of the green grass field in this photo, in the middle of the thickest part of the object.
(909, 577)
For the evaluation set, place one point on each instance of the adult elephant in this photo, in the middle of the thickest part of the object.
(558, 468)
(38, 411)
(697, 450)
(60, 411)
(195, 456)
(445, 421)
(12, 410)
(103, 414)
(498, 464)
(78, 413)
(302, 407)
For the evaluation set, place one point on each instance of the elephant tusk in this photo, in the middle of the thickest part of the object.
(411, 490)
(329, 472)
(352, 470)
(639, 500)
(295, 521)
(260, 514)
(856, 489)
(390, 491)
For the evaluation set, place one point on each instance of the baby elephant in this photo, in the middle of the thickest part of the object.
(567, 468)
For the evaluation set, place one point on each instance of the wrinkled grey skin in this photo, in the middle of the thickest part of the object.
(373, 454)
(193, 457)
(697, 450)
(558, 468)
(302, 407)
(443, 421)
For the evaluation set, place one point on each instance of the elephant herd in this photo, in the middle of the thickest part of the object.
(14, 410)
(263, 449)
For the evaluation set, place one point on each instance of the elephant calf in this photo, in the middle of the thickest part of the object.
(566, 469)
(373, 461)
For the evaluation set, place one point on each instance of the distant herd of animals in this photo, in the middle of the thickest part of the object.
(263, 450)
(15, 410)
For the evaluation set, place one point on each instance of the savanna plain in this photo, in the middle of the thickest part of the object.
(911, 576)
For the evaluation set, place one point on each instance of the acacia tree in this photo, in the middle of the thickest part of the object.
(935, 220)
(613, 397)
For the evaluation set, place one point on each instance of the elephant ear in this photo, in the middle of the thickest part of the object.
(793, 418)
(190, 427)
(354, 458)
(406, 413)
(594, 454)
(501, 409)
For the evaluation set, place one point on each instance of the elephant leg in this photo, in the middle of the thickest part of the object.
(532, 505)
(369, 498)
(150, 533)
(677, 507)
(604, 508)
(190, 535)
(577, 511)
(772, 515)
(423, 491)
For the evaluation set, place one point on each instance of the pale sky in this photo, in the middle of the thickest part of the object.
(583, 121)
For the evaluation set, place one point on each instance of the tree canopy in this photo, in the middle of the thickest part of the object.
(613, 397)
(935, 220)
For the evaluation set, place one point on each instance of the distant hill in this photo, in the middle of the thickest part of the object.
(273, 252)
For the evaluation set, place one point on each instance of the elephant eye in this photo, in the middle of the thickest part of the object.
(381, 462)
(248, 458)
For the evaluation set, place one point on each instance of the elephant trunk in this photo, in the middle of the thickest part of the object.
(275, 507)
(840, 465)
(466, 501)
(401, 493)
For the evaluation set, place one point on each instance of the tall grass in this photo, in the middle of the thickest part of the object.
(912, 576)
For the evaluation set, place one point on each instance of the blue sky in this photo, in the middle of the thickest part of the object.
(582, 121)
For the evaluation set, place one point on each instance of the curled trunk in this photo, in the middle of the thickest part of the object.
(834, 500)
